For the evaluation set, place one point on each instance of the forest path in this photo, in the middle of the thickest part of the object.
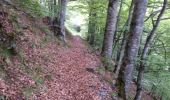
(44, 70)
(71, 80)
(27, 75)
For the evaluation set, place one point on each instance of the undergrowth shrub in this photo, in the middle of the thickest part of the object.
(31, 6)
(108, 63)
(156, 83)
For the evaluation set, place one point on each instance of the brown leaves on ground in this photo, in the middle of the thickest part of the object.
(70, 79)
(44, 70)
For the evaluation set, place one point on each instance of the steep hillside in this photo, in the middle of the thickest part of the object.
(35, 65)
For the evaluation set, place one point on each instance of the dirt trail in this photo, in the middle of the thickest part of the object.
(44, 70)
(70, 79)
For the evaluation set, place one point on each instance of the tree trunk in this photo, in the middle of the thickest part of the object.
(145, 52)
(55, 9)
(92, 23)
(62, 13)
(50, 6)
(59, 9)
(115, 37)
(124, 40)
(110, 28)
(132, 46)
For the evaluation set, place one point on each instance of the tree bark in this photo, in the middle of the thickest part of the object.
(59, 9)
(132, 46)
(92, 23)
(115, 37)
(62, 13)
(124, 40)
(110, 28)
(145, 52)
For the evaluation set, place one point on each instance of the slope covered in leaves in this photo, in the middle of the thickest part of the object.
(71, 80)
(41, 68)
(34, 65)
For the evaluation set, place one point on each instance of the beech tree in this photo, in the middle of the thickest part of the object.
(132, 46)
(92, 23)
(123, 42)
(145, 52)
(62, 13)
(115, 27)
(110, 28)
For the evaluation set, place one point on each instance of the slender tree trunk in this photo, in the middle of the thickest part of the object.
(132, 46)
(62, 14)
(117, 36)
(124, 40)
(55, 5)
(92, 33)
(55, 2)
(50, 6)
(92, 23)
(59, 9)
(145, 52)
(110, 28)
(117, 24)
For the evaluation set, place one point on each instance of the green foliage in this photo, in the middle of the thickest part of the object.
(108, 64)
(81, 8)
(157, 78)
(7, 52)
(100, 69)
(46, 30)
(113, 94)
(33, 7)
(35, 73)
(157, 83)
(157, 75)
(28, 91)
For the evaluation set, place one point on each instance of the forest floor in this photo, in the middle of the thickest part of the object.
(71, 80)
(45, 70)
